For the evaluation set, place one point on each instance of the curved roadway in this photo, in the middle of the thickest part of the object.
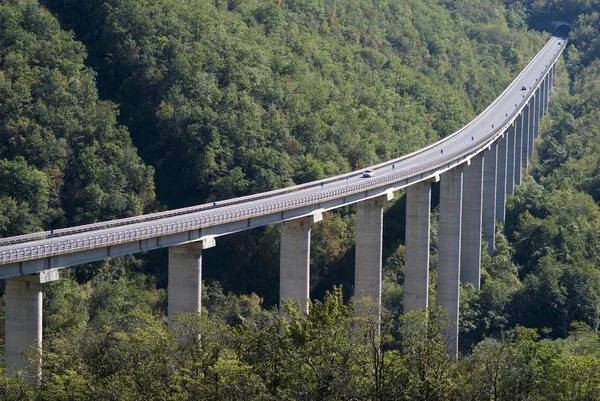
(469, 140)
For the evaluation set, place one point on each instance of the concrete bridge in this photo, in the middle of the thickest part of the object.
(478, 166)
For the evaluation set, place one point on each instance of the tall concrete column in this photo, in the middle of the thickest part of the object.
(416, 266)
(23, 300)
(534, 114)
(501, 181)
(545, 95)
(518, 147)
(472, 202)
(542, 94)
(510, 160)
(184, 292)
(449, 252)
(294, 261)
(489, 196)
(369, 239)
(545, 98)
(527, 132)
(23, 323)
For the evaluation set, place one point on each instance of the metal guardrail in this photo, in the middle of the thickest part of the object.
(228, 202)
(152, 231)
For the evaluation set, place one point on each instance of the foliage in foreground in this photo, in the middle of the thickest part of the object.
(328, 355)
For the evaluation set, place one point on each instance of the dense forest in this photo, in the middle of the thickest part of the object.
(115, 108)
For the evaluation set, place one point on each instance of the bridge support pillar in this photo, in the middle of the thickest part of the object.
(510, 159)
(367, 268)
(501, 181)
(527, 132)
(489, 196)
(518, 148)
(416, 266)
(534, 118)
(451, 194)
(23, 322)
(470, 252)
(184, 292)
(294, 261)
(546, 84)
(545, 98)
(541, 94)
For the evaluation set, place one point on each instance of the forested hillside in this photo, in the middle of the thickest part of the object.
(118, 107)
(235, 97)
(239, 97)
(64, 159)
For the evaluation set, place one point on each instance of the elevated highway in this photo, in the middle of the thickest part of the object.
(276, 206)
(478, 166)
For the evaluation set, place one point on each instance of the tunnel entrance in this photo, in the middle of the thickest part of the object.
(561, 28)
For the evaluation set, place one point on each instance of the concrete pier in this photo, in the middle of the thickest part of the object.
(527, 132)
(489, 196)
(184, 292)
(294, 261)
(510, 160)
(501, 180)
(449, 252)
(367, 268)
(472, 201)
(416, 267)
(518, 148)
(534, 113)
(546, 93)
(544, 90)
(23, 306)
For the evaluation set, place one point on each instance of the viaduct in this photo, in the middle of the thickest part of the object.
(478, 166)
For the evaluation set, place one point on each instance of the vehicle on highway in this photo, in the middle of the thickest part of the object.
(523, 87)
(368, 174)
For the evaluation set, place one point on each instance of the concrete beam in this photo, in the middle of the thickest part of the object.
(470, 254)
(449, 250)
(489, 196)
(510, 160)
(184, 291)
(294, 262)
(416, 266)
(501, 180)
(367, 268)
(23, 323)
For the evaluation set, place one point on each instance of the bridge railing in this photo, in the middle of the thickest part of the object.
(243, 199)
(255, 211)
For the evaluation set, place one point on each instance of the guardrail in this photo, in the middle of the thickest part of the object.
(273, 207)
(262, 195)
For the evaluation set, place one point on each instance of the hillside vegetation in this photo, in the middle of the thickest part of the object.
(114, 108)
(236, 97)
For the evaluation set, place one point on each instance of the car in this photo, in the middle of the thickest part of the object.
(368, 174)
(523, 87)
